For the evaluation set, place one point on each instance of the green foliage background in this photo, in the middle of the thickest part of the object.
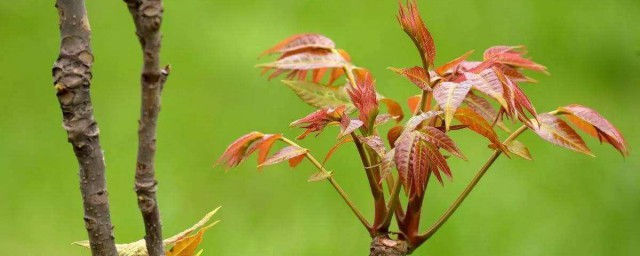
(563, 203)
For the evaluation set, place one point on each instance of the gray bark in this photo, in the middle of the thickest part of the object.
(382, 245)
(72, 80)
(147, 16)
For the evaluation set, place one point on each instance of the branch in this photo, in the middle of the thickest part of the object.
(72, 80)
(335, 185)
(147, 16)
(496, 153)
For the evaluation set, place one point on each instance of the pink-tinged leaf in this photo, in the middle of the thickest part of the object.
(319, 95)
(236, 152)
(318, 120)
(413, 102)
(414, 26)
(301, 41)
(393, 108)
(374, 142)
(477, 123)
(449, 96)
(348, 125)
(382, 119)
(452, 64)
(295, 161)
(284, 154)
(417, 75)
(595, 125)
(440, 139)
(488, 83)
(263, 146)
(364, 97)
(393, 134)
(481, 106)
(411, 161)
(556, 131)
(335, 147)
(415, 121)
(502, 49)
(439, 163)
(517, 100)
(514, 74)
(387, 164)
(307, 61)
(320, 176)
(514, 57)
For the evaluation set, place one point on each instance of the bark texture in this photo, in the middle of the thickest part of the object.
(382, 245)
(72, 80)
(147, 16)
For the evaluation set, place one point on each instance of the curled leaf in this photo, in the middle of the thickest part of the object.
(393, 108)
(300, 42)
(452, 64)
(595, 125)
(236, 152)
(413, 25)
(477, 123)
(556, 131)
(335, 147)
(364, 97)
(440, 139)
(307, 61)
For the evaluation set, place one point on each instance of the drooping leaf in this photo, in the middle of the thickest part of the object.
(477, 123)
(374, 142)
(413, 25)
(449, 96)
(488, 83)
(284, 154)
(320, 176)
(393, 134)
(440, 139)
(295, 161)
(452, 64)
(139, 248)
(556, 131)
(438, 163)
(413, 102)
(417, 75)
(365, 98)
(348, 125)
(411, 161)
(263, 146)
(517, 100)
(335, 147)
(319, 95)
(236, 152)
(519, 149)
(307, 61)
(301, 41)
(595, 125)
(481, 106)
(393, 108)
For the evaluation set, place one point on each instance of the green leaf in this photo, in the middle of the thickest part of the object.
(321, 96)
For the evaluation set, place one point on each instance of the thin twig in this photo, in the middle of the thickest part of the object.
(72, 80)
(147, 16)
(454, 206)
(335, 185)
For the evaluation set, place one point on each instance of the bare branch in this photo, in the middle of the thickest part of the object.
(72, 79)
(147, 16)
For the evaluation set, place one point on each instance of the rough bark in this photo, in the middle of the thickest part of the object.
(72, 79)
(382, 245)
(147, 16)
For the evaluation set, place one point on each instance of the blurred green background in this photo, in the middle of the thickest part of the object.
(562, 203)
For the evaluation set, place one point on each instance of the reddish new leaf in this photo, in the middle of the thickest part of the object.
(413, 102)
(348, 125)
(393, 134)
(481, 106)
(301, 41)
(518, 149)
(382, 119)
(415, 121)
(393, 108)
(236, 152)
(318, 120)
(295, 161)
(263, 146)
(595, 125)
(556, 131)
(335, 147)
(411, 161)
(514, 57)
(417, 75)
(307, 61)
(364, 97)
(449, 96)
(284, 154)
(452, 64)
(477, 123)
(488, 83)
(439, 163)
(374, 142)
(413, 25)
(440, 139)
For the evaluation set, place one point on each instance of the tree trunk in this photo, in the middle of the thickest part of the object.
(382, 245)
(72, 79)
(147, 17)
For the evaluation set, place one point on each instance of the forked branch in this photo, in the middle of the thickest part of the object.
(147, 16)
(72, 80)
